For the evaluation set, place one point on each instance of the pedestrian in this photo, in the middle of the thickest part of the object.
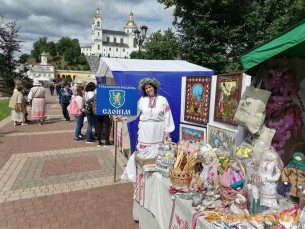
(17, 83)
(89, 94)
(102, 124)
(38, 98)
(79, 102)
(58, 87)
(52, 89)
(65, 95)
(17, 104)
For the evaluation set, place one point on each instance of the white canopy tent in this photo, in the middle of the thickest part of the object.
(109, 65)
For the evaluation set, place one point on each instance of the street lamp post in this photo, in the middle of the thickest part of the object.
(140, 37)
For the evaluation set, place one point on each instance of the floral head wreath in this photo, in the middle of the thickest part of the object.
(151, 81)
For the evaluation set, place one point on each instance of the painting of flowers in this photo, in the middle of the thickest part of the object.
(197, 99)
(193, 133)
(221, 138)
(228, 93)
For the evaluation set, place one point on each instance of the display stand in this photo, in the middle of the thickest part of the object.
(115, 148)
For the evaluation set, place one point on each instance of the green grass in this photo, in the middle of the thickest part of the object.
(5, 111)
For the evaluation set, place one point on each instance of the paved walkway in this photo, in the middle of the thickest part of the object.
(49, 181)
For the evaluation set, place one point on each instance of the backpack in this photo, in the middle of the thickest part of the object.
(73, 108)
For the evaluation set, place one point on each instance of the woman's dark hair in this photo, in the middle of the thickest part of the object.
(90, 86)
(79, 90)
(66, 83)
(144, 92)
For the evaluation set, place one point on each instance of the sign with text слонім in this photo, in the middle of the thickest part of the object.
(116, 100)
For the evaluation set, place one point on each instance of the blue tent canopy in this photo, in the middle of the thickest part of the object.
(129, 72)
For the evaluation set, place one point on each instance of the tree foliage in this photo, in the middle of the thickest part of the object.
(214, 33)
(162, 46)
(67, 47)
(159, 46)
(41, 45)
(10, 68)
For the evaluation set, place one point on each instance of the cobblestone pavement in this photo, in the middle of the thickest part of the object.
(49, 181)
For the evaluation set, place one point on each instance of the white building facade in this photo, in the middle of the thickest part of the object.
(111, 43)
(42, 70)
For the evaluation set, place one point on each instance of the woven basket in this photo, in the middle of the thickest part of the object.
(180, 178)
(227, 193)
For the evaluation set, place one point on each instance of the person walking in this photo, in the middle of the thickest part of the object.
(65, 95)
(38, 98)
(17, 104)
(76, 104)
(52, 87)
(58, 87)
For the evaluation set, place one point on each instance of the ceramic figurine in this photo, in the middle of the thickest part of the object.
(270, 174)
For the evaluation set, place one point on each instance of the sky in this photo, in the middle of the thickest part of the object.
(72, 18)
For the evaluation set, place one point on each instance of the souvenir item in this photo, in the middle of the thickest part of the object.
(197, 100)
(228, 91)
(250, 112)
(193, 133)
(253, 198)
(257, 143)
(221, 138)
(270, 174)
(294, 173)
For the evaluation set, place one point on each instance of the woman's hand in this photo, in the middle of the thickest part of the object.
(117, 118)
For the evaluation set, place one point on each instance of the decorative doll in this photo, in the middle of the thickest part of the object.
(294, 173)
(270, 174)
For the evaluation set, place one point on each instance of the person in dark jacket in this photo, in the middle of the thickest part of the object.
(65, 95)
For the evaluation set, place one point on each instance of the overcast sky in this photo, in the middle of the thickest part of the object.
(72, 18)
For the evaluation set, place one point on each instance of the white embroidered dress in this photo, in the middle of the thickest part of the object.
(155, 119)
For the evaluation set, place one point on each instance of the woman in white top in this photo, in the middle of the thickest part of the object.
(90, 117)
(156, 119)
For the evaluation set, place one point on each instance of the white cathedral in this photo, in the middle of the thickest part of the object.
(111, 43)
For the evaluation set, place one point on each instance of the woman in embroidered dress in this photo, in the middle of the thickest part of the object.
(38, 96)
(156, 119)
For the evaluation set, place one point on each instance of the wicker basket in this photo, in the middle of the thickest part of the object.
(227, 193)
(180, 178)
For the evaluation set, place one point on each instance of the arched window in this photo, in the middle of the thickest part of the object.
(98, 24)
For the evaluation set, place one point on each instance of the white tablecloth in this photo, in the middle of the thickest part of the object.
(153, 195)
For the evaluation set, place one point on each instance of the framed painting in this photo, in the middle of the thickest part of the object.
(221, 138)
(228, 93)
(197, 99)
(193, 133)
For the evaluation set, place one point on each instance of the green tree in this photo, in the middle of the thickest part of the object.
(10, 68)
(38, 47)
(24, 58)
(135, 55)
(162, 46)
(82, 59)
(52, 48)
(215, 33)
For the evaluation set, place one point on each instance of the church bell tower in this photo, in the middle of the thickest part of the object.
(97, 34)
